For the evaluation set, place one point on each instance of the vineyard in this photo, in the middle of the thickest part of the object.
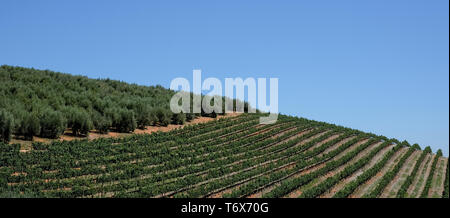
(229, 157)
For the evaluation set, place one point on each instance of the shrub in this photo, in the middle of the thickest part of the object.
(417, 147)
(6, 126)
(79, 120)
(126, 121)
(144, 116)
(29, 126)
(101, 123)
(190, 116)
(163, 116)
(53, 124)
(179, 118)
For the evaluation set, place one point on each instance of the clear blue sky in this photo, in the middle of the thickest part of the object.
(378, 66)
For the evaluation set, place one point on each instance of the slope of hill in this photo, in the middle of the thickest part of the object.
(45, 103)
(228, 157)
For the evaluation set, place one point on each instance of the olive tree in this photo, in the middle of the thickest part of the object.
(101, 123)
(178, 118)
(29, 125)
(53, 124)
(79, 121)
(6, 126)
(164, 116)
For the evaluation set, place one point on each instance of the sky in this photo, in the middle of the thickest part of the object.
(377, 66)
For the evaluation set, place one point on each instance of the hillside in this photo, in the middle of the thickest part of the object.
(231, 157)
(47, 104)
(227, 157)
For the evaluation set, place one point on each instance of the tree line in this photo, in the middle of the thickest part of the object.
(46, 103)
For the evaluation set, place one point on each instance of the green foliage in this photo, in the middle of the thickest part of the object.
(396, 141)
(445, 192)
(178, 118)
(353, 185)
(53, 124)
(144, 115)
(6, 126)
(78, 120)
(198, 160)
(124, 120)
(331, 181)
(101, 123)
(29, 125)
(16, 194)
(409, 180)
(387, 178)
(291, 184)
(430, 176)
(85, 103)
(190, 116)
(163, 116)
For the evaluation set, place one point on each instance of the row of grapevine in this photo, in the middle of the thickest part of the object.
(445, 193)
(263, 182)
(271, 160)
(387, 178)
(120, 166)
(120, 178)
(229, 157)
(409, 180)
(430, 176)
(311, 158)
(100, 149)
(21, 162)
(179, 178)
(331, 181)
(348, 189)
(290, 185)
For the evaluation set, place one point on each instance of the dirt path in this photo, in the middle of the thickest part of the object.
(419, 183)
(394, 186)
(303, 172)
(437, 185)
(316, 181)
(373, 182)
(330, 193)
